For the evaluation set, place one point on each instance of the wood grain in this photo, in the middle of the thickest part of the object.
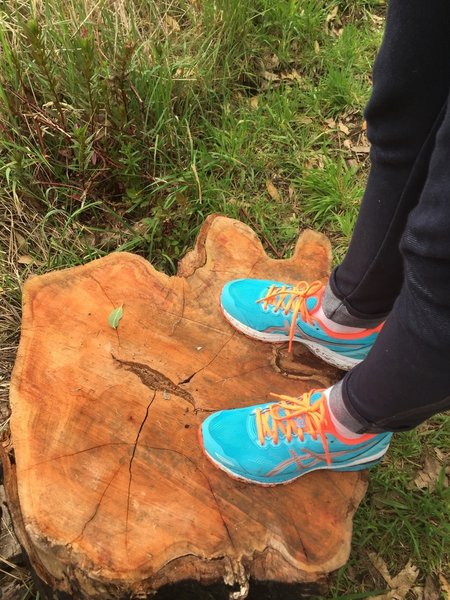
(113, 494)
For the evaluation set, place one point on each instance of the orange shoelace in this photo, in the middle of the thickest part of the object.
(270, 421)
(292, 299)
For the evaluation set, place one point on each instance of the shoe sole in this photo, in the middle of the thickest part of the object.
(329, 356)
(358, 466)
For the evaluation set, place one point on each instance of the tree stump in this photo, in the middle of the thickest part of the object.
(110, 492)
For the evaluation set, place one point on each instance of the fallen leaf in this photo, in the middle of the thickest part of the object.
(25, 259)
(430, 589)
(115, 316)
(347, 144)
(304, 120)
(361, 149)
(290, 75)
(20, 240)
(332, 15)
(172, 24)
(376, 19)
(381, 567)
(400, 584)
(271, 61)
(418, 592)
(445, 586)
(428, 476)
(273, 192)
(254, 102)
(269, 76)
(331, 123)
(343, 128)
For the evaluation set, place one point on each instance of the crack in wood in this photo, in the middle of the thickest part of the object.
(97, 508)
(216, 501)
(209, 363)
(110, 300)
(240, 374)
(183, 306)
(102, 288)
(48, 460)
(155, 380)
(130, 466)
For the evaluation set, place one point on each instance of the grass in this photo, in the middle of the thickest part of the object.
(123, 125)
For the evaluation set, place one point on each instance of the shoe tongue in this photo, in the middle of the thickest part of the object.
(311, 303)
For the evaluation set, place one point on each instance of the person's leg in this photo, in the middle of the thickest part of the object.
(411, 81)
(406, 376)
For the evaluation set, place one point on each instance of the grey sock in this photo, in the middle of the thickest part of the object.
(339, 410)
(336, 310)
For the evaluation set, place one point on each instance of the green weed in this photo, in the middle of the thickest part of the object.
(123, 125)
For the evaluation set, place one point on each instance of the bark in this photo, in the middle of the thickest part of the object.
(109, 491)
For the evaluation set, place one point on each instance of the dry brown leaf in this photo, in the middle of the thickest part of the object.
(269, 76)
(331, 123)
(361, 149)
(291, 193)
(273, 192)
(271, 61)
(417, 590)
(332, 15)
(430, 589)
(315, 162)
(364, 125)
(25, 259)
(343, 128)
(347, 144)
(290, 75)
(377, 19)
(439, 454)
(254, 102)
(427, 477)
(20, 240)
(400, 584)
(445, 586)
(172, 24)
(381, 567)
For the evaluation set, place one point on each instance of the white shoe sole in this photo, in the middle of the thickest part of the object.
(356, 465)
(329, 356)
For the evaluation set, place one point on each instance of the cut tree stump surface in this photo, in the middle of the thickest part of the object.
(110, 491)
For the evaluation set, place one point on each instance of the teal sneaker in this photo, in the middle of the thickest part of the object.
(272, 311)
(277, 442)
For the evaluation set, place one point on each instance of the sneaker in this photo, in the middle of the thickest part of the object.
(277, 442)
(271, 311)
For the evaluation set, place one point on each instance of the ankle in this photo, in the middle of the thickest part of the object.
(345, 424)
(338, 312)
(333, 325)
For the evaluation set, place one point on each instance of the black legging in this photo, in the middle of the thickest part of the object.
(398, 262)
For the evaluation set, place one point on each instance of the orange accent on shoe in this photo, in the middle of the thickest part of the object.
(292, 299)
(314, 416)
